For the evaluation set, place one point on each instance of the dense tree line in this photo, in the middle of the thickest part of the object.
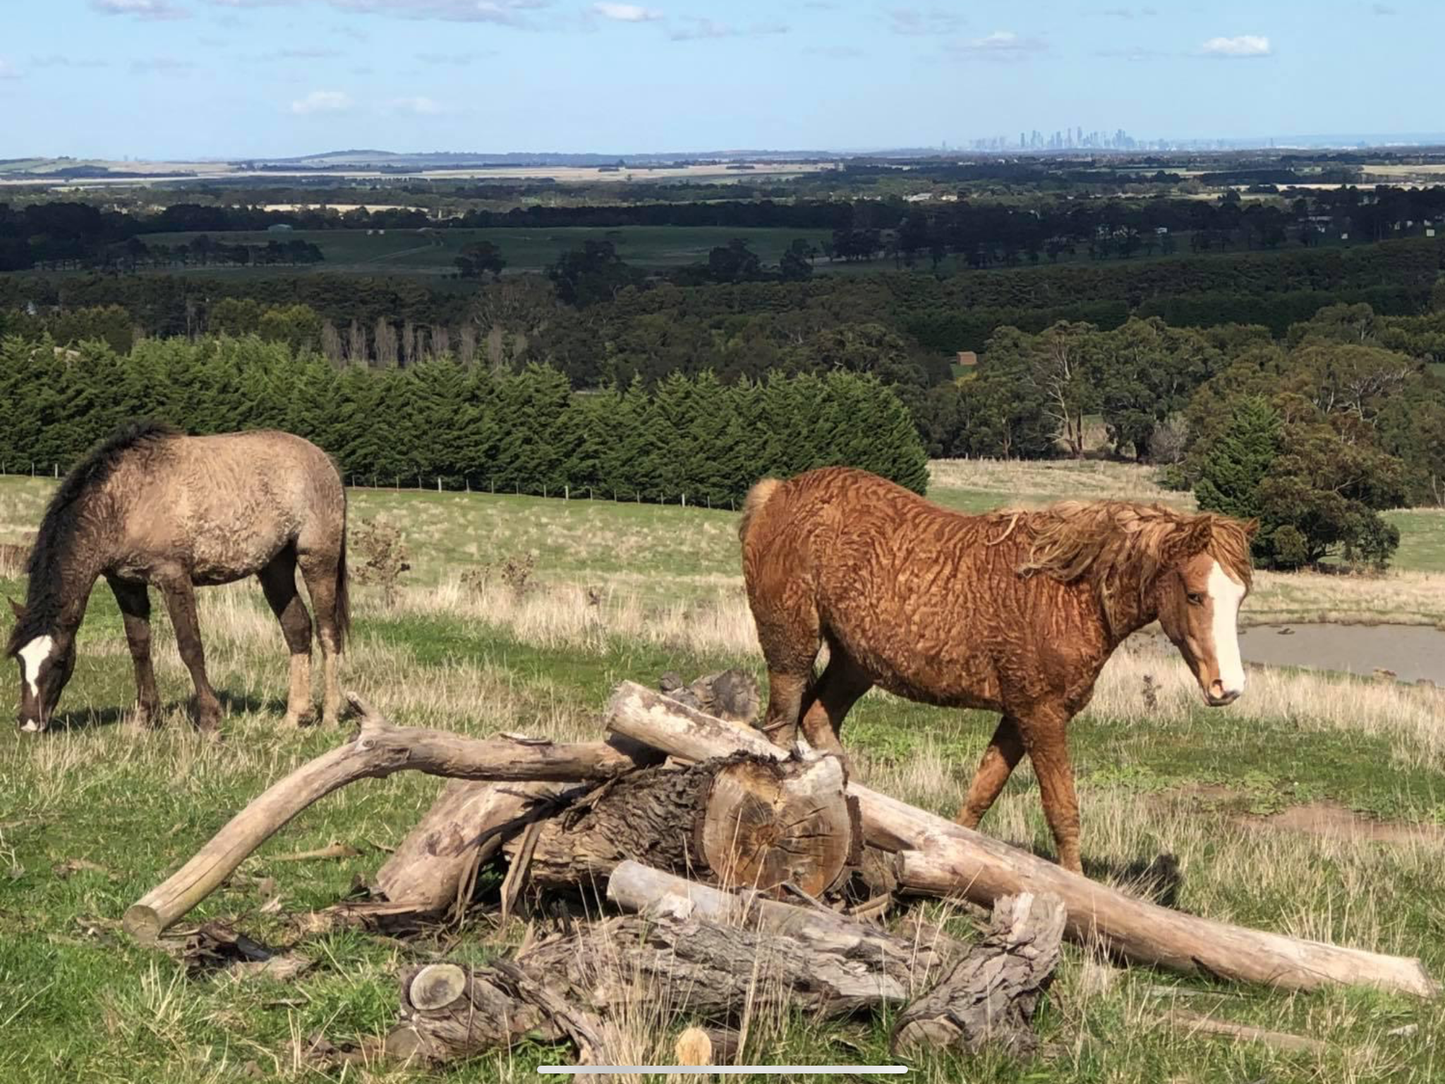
(958, 312)
(524, 431)
(980, 233)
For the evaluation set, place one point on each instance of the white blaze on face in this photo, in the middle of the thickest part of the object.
(1227, 593)
(31, 656)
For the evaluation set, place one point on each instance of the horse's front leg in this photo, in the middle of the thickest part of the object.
(999, 760)
(1045, 735)
(135, 609)
(181, 604)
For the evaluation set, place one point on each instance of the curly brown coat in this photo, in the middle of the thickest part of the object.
(1014, 612)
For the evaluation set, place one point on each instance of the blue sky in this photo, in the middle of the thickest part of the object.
(158, 78)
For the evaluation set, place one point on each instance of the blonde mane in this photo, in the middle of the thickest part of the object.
(1119, 546)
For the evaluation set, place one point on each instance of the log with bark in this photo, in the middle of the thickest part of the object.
(692, 949)
(944, 859)
(435, 866)
(990, 995)
(758, 822)
(379, 749)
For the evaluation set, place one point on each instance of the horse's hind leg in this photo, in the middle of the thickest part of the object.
(842, 683)
(278, 581)
(999, 760)
(319, 569)
(181, 604)
(135, 609)
(790, 638)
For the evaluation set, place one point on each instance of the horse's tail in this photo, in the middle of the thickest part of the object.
(753, 504)
(343, 584)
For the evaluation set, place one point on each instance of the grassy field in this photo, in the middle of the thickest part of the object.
(432, 252)
(1315, 806)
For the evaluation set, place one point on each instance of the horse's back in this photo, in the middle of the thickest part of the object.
(224, 505)
(911, 590)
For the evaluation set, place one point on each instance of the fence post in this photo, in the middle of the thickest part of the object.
(439, 483)
(567, 492)
(57, 470)
(684, 500)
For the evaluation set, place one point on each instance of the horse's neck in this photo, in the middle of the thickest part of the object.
(1130, 615)
(64, 593)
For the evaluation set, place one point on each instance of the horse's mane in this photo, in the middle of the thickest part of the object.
(1119, 545)
(58, 522)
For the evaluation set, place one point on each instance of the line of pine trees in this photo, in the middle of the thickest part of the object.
(436, 421)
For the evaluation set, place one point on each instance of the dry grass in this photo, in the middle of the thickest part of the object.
(1034, 480)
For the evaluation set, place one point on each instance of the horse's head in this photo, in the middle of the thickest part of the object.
(1204, 575)
(46, 661)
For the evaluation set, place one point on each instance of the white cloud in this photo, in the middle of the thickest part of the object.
(160, 65)
(1383, 9)
(1001, 45)
(459, 59)
(7, 70)
(141, 9)
(419, 104)
(1244, 45)
(835, 52)
(709, 28)
(322, 101)
(918, 22)
(626, 13)
(60, 60)
(1130, 13)
(503, 12)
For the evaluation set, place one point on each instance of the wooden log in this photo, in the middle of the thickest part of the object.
(770, 823)
(449, 1013)
(990, 995)
(648, 891)
(465, 826)
(764, 823)
(377, 751)
(714, 970)
(945, 859)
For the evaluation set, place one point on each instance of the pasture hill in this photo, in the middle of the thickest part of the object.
(1312, 788)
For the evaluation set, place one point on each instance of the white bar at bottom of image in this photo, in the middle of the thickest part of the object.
(722, 1070)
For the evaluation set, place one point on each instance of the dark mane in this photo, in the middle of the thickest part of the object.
(56, 526)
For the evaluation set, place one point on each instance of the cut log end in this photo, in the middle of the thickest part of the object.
(143, 923)
(437, 986)
(767, 824)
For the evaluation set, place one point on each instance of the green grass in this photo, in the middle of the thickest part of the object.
(432, 252)
(79, 1002)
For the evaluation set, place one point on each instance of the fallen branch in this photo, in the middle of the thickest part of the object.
(941, 858)
(1196, 1023)
(378, 750)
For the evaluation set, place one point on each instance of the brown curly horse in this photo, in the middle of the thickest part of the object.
(1014, 612)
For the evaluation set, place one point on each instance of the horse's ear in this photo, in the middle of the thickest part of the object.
(1251, 527)
(1190, 540)
(15, 608)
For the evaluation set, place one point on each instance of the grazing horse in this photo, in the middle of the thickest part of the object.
(150, 505)
(1014, 612)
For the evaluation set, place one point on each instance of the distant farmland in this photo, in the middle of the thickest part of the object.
(430, 252)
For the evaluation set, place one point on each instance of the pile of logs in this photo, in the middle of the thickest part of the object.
(721, 875)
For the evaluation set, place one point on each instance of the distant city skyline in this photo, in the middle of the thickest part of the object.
(158, 79)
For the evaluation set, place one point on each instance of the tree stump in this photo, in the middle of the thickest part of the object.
(739, 821)
(989, 996)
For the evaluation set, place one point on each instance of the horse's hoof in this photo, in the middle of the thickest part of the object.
(298, 720)
(30, 726)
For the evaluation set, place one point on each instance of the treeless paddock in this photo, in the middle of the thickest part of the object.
(1014, 612)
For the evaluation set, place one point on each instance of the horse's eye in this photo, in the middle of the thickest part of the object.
(1196, 599)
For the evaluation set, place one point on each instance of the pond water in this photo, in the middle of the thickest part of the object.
(1412, 651)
